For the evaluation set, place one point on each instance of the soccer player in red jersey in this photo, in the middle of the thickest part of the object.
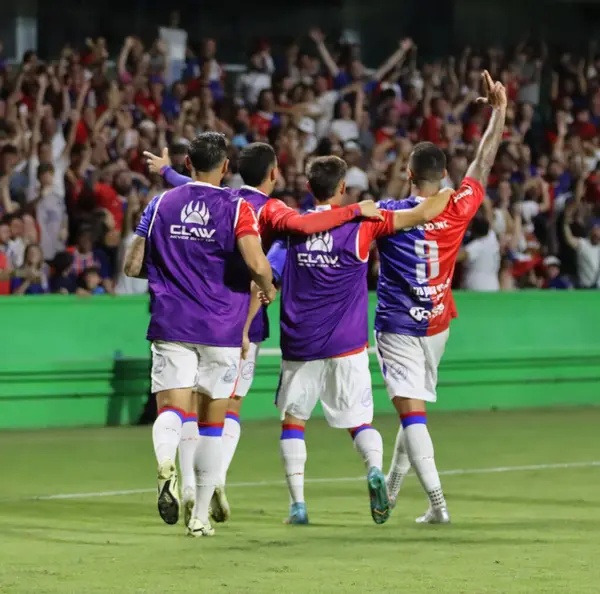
(415, 303)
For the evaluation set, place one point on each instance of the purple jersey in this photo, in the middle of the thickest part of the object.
(259, 329)
(414, 291)
(196, 292)
(324, 298)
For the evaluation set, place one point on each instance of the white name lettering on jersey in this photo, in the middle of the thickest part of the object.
(432, 226)
(424, 293)
(193, 233)
(467, 192)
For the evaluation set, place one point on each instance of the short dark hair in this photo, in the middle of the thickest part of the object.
(255, 162)
(9, 149)
(207, 151)
(427, 163)
(325, 175)
(178, 149)
(45, 168)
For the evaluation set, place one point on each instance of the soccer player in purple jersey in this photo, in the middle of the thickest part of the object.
(415, 304)
(257, 165)
(190, 243)
(324, 332)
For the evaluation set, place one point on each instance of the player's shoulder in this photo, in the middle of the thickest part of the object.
(468, 187)
(395, 204)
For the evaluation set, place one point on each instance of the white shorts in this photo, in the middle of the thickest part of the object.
(247, 368)
(409, 364)
(342, 384)
(207, 369)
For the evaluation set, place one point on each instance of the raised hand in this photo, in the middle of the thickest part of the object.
(316, 35)
(494, 92)
(156, 163)
(406, 44)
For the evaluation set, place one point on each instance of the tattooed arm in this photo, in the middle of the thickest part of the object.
(488, 147)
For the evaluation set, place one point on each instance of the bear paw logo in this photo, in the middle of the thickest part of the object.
(193, 213)
(320, 242)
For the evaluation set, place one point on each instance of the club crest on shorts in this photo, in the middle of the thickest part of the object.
(367, 398)
(397, 370)
(231, 374)
(158, 362)
(195, 214)
(248, 371)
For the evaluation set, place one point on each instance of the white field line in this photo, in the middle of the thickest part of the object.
(347, 479)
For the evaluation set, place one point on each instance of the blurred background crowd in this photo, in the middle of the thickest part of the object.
(73, 129)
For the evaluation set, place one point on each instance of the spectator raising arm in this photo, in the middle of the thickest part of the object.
(572, 241)
(319, 39)
(394, 60)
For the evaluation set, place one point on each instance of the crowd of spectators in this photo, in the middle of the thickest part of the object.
(73, 178)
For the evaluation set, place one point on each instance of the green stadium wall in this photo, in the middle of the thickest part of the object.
(67, 361)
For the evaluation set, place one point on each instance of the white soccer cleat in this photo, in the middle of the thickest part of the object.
(219, 510)
(197, 528)
(188, 498)
(168, 492)
(437, 515)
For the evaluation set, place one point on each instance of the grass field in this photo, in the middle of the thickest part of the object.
(514, 530)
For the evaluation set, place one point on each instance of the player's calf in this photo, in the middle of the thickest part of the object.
(231, 434)
(208, 460)
(369, 445)
(399, 467)
(421, 454)
(293, 455)
(173, 409)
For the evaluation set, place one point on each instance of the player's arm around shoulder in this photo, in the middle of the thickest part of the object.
(248, 242)
(424, 212)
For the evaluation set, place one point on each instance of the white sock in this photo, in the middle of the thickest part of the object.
(369, 445)
(400, 464)
(420, 452)
(208, 462)
(231, 437)
(166, 433)
(187, 451)
(293, 454)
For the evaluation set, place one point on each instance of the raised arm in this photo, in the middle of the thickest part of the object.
(319, 39)
(394, 60)
(572, 241)
(123, 56)
(488, 147)
(162, 166)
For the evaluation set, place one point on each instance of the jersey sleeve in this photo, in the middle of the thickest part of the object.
(277, 256)
(246, 223)
(173, 178)
(467, 199)
(146, 219)
(280, 218)
(371, 230)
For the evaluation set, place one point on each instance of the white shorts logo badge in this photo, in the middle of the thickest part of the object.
(231, 374)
